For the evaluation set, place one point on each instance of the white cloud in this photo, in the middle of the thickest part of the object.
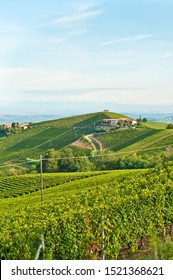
(75, 18)
(167, 55)
(8, 27)
(86, 6)
(114, 96)
(128, 39)
(76, 32)
(28, 84)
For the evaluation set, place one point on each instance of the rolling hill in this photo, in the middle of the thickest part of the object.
(79, 208)
(40, 137)
(61, 133)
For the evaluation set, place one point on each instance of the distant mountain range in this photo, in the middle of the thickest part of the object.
(155, 117)
(8, 118)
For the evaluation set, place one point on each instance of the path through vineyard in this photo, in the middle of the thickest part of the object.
(94, 142)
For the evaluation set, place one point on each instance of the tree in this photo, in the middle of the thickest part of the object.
(67, 159)
(50, 161)
(170, 126)
(121, 124)
(82, 164)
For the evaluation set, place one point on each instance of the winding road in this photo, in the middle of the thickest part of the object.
(97, 145)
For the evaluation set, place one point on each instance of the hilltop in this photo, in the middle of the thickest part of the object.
(58, 133)
(38, 138)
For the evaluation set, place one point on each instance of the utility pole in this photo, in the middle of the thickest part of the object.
(41, 178)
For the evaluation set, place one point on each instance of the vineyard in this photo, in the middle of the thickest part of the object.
(126, 206)
(157, 139)
(156, 125)
(121, 139)
(14, 186)
(61, 133)
(42, 136)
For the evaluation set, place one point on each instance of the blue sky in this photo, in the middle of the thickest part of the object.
(79, 56)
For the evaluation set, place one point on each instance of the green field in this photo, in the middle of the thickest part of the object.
(156, 125)
(120, 139)
(126, 205)
(40, 137)
(158, 139)
(61, 133)
(14, 186)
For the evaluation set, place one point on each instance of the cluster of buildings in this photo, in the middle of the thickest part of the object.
(111, 124)
(19, 125)
(116, 122)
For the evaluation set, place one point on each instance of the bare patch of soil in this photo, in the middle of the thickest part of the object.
(81, 144)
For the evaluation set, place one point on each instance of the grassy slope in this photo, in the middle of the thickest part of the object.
(62, 132)
(156, 125)
(119, 139)
(50, 134)
(160, 138)
(81, 119)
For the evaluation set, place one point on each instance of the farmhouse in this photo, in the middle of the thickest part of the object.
(116, 122)
(112, 122)
(18, 125)
(24, 125)
(7, 125)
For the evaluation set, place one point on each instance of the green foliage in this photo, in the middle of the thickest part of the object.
(14, 186)
(156, 125)
(163, 249)
(50, 162)
(58, 134)
(40, 137)
(127, 206)
(155, 138)
(136, 161)
(170, 126)
(120, 139)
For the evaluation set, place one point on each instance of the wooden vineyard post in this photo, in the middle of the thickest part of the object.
(41, 178)
(41, 246)
(103, 242)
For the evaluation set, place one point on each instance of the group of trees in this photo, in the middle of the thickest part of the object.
(15, 127)
(76, 160)
(66, 160)
(70, 160)
(170, 126)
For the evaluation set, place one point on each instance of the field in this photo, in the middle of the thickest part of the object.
(14, 186)
(40, 137)
(158, 139)
(127, 206)
(61, 133)
(156, 125)
(120, 139)
(83, 215)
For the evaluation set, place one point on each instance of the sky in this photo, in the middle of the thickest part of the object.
(78, 56)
